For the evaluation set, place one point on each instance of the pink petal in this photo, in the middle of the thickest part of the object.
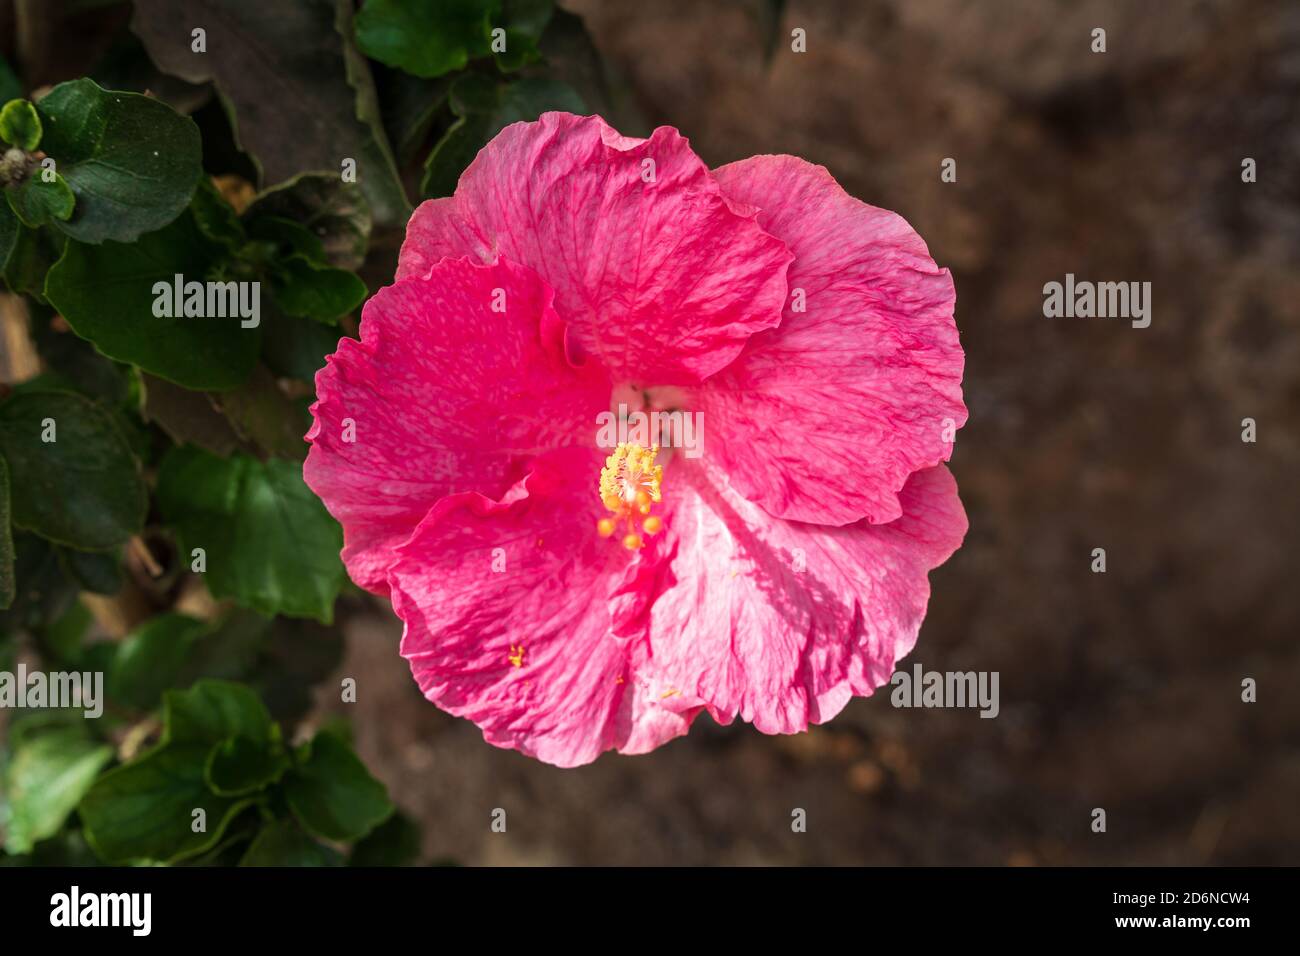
(743, 631)
(661, 282)
(445, 394)
(481, 582)
(824, 418)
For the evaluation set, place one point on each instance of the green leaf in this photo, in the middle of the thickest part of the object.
(426, 37)
(83, 487)
(67, 848)
(238, 766)
(147, 809)
(47, 778)
(149, 661)
(19, 125)
(263, 416)
(126, 66)
(269, 542)
(42, 591)
(131, 160)
(216, 218)
(232, 846)
(333, 795)
(32, 253)
(357, 70)
(212, 711)
(323, 108)
(9, 226)
(287, 238)
(6, 542)
(486, 107)
(306, 290)
(298, 655)
(334, 211)
(230, 649)
(81, 368)
(296, 348)
(410, 106)
(63, 639)
(99, 572)
(189, 417)
(282, 843)
(395, 842)
(37, 202)
(108, 294)
(524, 22)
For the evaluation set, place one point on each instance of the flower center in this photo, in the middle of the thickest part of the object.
(629, 488)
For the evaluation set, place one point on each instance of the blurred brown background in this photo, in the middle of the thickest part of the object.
(1118, 690)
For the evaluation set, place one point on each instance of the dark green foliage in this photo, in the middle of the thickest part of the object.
(188, 247)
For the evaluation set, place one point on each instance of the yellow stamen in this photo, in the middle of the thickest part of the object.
(630, 476)
(629, 488)
(516, 656)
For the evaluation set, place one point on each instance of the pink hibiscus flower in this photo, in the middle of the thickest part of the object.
(569, 597)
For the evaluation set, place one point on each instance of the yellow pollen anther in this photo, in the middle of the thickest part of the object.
(629, 489)
(516, 656)
(630, 477)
